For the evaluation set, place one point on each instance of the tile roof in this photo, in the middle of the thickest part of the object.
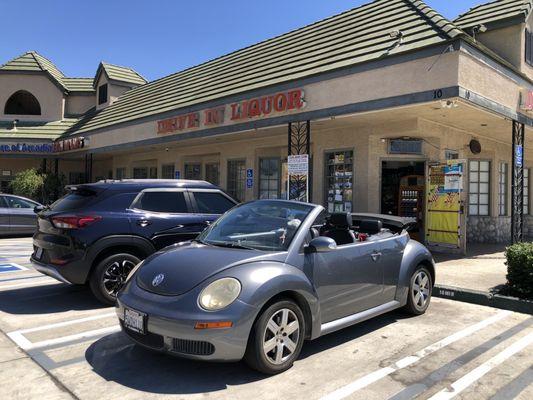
(120, 74)
(79, 84)
(353, 37)
(35, 130)
(34, 62)
(495, 11)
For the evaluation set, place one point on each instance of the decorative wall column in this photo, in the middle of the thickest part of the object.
(299, 137)
(517, 181)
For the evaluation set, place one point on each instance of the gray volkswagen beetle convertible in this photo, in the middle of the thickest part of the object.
(268, 275)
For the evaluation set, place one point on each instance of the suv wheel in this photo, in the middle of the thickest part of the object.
(109, 276)
(276, 338)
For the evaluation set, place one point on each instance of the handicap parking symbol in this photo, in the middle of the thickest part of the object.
(11, 267)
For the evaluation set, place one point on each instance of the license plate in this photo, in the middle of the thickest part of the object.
(135, 321)
(38, 253)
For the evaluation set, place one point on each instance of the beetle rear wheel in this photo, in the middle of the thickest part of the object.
(420, 288)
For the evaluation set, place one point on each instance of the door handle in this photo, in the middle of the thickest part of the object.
(375, 256)
(143, 222)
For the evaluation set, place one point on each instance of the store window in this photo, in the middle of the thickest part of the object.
(193, 171)
(526, 191)
(120, 173)
(140, 173)
(75, 178)
(503, 182)
(479, 188)
(529, 47)
(153, 172)
(167, 171)
(339, 181)
(22, 103)
(269, 178)
(237, 179)
(102, 94)
(212, 173)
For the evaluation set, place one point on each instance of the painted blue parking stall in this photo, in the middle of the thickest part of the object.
(11, 267)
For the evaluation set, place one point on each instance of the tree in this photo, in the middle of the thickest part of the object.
(28, 183)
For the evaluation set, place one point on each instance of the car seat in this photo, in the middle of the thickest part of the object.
(338, 227)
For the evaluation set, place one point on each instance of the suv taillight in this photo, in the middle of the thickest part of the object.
(74, 221)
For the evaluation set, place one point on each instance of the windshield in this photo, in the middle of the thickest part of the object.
(259, 225)
(73, 200)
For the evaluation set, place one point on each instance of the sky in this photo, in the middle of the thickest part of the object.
(158, 37)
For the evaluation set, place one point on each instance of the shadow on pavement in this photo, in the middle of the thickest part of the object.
(475, 251)
(115, 358)
(47, 299)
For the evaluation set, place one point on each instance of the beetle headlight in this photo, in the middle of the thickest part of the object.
(219, 294)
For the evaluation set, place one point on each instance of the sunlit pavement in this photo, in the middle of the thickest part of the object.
(58, 342)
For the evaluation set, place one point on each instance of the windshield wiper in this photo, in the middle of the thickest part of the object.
(232, 245)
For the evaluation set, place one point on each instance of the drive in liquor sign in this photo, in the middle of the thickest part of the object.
(259, 107)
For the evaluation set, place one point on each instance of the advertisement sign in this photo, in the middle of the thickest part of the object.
(31, 148)
(519, 156)
(453, 178)
(298, 165)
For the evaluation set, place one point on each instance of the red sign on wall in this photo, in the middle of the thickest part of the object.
(526, 100)
(253, 108)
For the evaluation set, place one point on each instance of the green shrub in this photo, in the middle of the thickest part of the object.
(28, 183)
(520, 269)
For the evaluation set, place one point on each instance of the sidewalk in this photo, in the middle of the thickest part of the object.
(482, 269)
(477, 278)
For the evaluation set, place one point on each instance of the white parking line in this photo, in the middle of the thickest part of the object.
(33, 283)
(375, 376)
(19, 338)
(461, 384)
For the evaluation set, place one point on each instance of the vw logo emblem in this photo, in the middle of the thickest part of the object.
(158, 279)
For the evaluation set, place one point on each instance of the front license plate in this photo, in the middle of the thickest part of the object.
(135, 321)
(38, 253)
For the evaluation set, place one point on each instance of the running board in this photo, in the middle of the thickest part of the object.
(359, 317)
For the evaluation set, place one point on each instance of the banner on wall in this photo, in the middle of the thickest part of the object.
(444, 188)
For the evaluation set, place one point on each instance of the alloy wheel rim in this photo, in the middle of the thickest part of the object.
(421, 289)
(115, 276)
(281, 335)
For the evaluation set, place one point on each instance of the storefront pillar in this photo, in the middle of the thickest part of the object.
(299, 143)
(88, 168)
(517, 179)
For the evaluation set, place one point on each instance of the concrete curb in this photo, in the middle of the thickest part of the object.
(484, 299)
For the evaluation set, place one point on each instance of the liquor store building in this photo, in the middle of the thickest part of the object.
(397, 109)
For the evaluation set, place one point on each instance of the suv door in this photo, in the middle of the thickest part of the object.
(210, 204)
(4, 217)
(22, 219)
(164, 216)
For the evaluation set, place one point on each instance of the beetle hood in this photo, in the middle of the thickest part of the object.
(178, 269)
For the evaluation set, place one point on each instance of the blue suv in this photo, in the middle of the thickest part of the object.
(98, 232)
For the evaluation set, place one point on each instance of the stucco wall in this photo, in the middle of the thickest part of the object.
(50, 98)
(79, 104)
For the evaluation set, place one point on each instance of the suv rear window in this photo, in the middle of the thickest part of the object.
(163, 202)
(212, 203)
(73, 201)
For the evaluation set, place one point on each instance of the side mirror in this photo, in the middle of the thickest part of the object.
(38, 209)
(320, 244)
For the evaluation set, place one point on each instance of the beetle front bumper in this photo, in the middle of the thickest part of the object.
(170, 325)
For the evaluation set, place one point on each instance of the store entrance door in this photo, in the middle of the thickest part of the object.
(445, 217)
(403, 191)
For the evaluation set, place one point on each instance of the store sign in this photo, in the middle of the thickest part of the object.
(526, 100)
(69, 144)
(258, 107)
(298, 165)
(27, 148)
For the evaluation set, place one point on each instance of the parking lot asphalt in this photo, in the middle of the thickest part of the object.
(57, 342)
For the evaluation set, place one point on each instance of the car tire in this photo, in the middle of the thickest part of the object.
(110, 274)
(285, 344)
(420, 290)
